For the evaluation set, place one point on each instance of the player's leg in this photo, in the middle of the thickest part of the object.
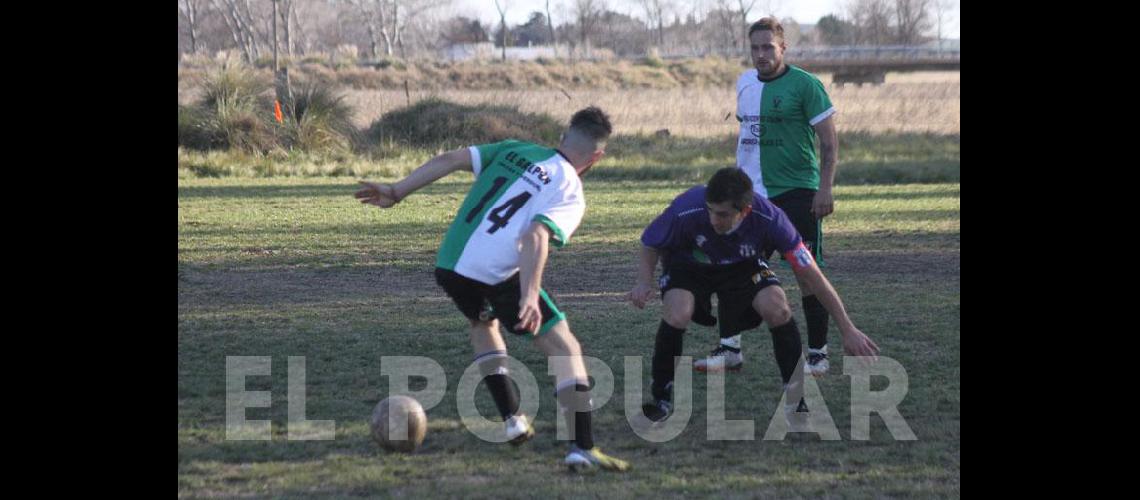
(772, 304)
(735, 288)
(797, 205)
(678, 304)
(470, 297)
(702, 311)
(728, 355)
(491, 356)
(572, 390)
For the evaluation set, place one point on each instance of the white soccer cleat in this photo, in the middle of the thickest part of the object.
(519, 430)
(722, 359)
(579, 459)
(817, 364)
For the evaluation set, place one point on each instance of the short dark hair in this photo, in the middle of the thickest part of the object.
(730, 184)
(767, 24)
(593, 122)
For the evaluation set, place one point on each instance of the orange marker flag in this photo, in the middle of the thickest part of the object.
(277, 111)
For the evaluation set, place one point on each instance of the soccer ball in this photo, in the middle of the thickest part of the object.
(405, 414)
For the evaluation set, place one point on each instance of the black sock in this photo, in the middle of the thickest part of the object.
(493, 366)
(665, 349)
(789, 349)
(505, 393)
(816, 317)
(575, 400)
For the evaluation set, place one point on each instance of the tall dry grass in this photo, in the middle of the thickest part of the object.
(903, 106)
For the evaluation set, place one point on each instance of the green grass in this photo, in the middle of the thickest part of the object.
(864, 159)
(295, 267)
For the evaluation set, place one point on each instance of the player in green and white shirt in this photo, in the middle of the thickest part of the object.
(525, 198)
(514, 180)
(782, 110)
(778, 116)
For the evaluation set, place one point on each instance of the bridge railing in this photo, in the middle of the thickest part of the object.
(872, 54)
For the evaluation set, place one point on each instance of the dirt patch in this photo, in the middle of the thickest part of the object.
(577, 278)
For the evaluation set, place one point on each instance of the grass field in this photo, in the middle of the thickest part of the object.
(295, 267)
(900, 158)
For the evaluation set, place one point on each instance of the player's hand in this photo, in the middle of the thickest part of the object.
(856, 343)
(640, 294)
(530, 316)
(381, 195)
(823, 203)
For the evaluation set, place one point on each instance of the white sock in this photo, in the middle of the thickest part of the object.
(733, 341)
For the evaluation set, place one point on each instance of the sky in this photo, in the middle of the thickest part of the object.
(803, 11)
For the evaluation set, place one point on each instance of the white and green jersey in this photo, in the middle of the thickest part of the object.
(777, 141)
(516, 183)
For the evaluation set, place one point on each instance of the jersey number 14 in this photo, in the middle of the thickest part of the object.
(500, 215)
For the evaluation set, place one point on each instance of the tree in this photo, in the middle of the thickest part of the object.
(286, 16)
(191, 10)
(502, 8)
(301, 41)
(372, 15)
(872, 19)
(550, 27)
(912, 19)
(239, 18)
(411, 11)
(942, 12)
(655, 16)
(621, 33)
(791, 31)
(459, 30)
(533, 32)
(724, 20)
(587, 13)
(744, 7)
(835, 31)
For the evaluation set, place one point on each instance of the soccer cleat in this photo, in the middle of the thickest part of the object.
(519, 429)
(658, 410)
(817, 364)
(723, 358)
(579, 459)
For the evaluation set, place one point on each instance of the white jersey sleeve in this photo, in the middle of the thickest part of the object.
(562, 210)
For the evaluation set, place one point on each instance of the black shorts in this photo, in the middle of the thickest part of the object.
(735, 286)
(482, 302)
(797, 204)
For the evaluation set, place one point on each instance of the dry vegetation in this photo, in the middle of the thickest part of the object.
(701, 112)
(690, 98)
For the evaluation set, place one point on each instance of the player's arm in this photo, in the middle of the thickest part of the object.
(660, 236)
(855, 342)
(535, 247)
(646, 264)
(824, 202)
(387, 195)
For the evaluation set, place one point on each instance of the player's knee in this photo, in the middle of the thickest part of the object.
(773, 307)
(678, 317)
(558, 341)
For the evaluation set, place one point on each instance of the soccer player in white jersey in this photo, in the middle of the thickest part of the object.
(525, 198)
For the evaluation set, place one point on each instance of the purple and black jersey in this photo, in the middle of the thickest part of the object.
(684, 232)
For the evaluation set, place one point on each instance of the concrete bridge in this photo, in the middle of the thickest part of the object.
(861, 65)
